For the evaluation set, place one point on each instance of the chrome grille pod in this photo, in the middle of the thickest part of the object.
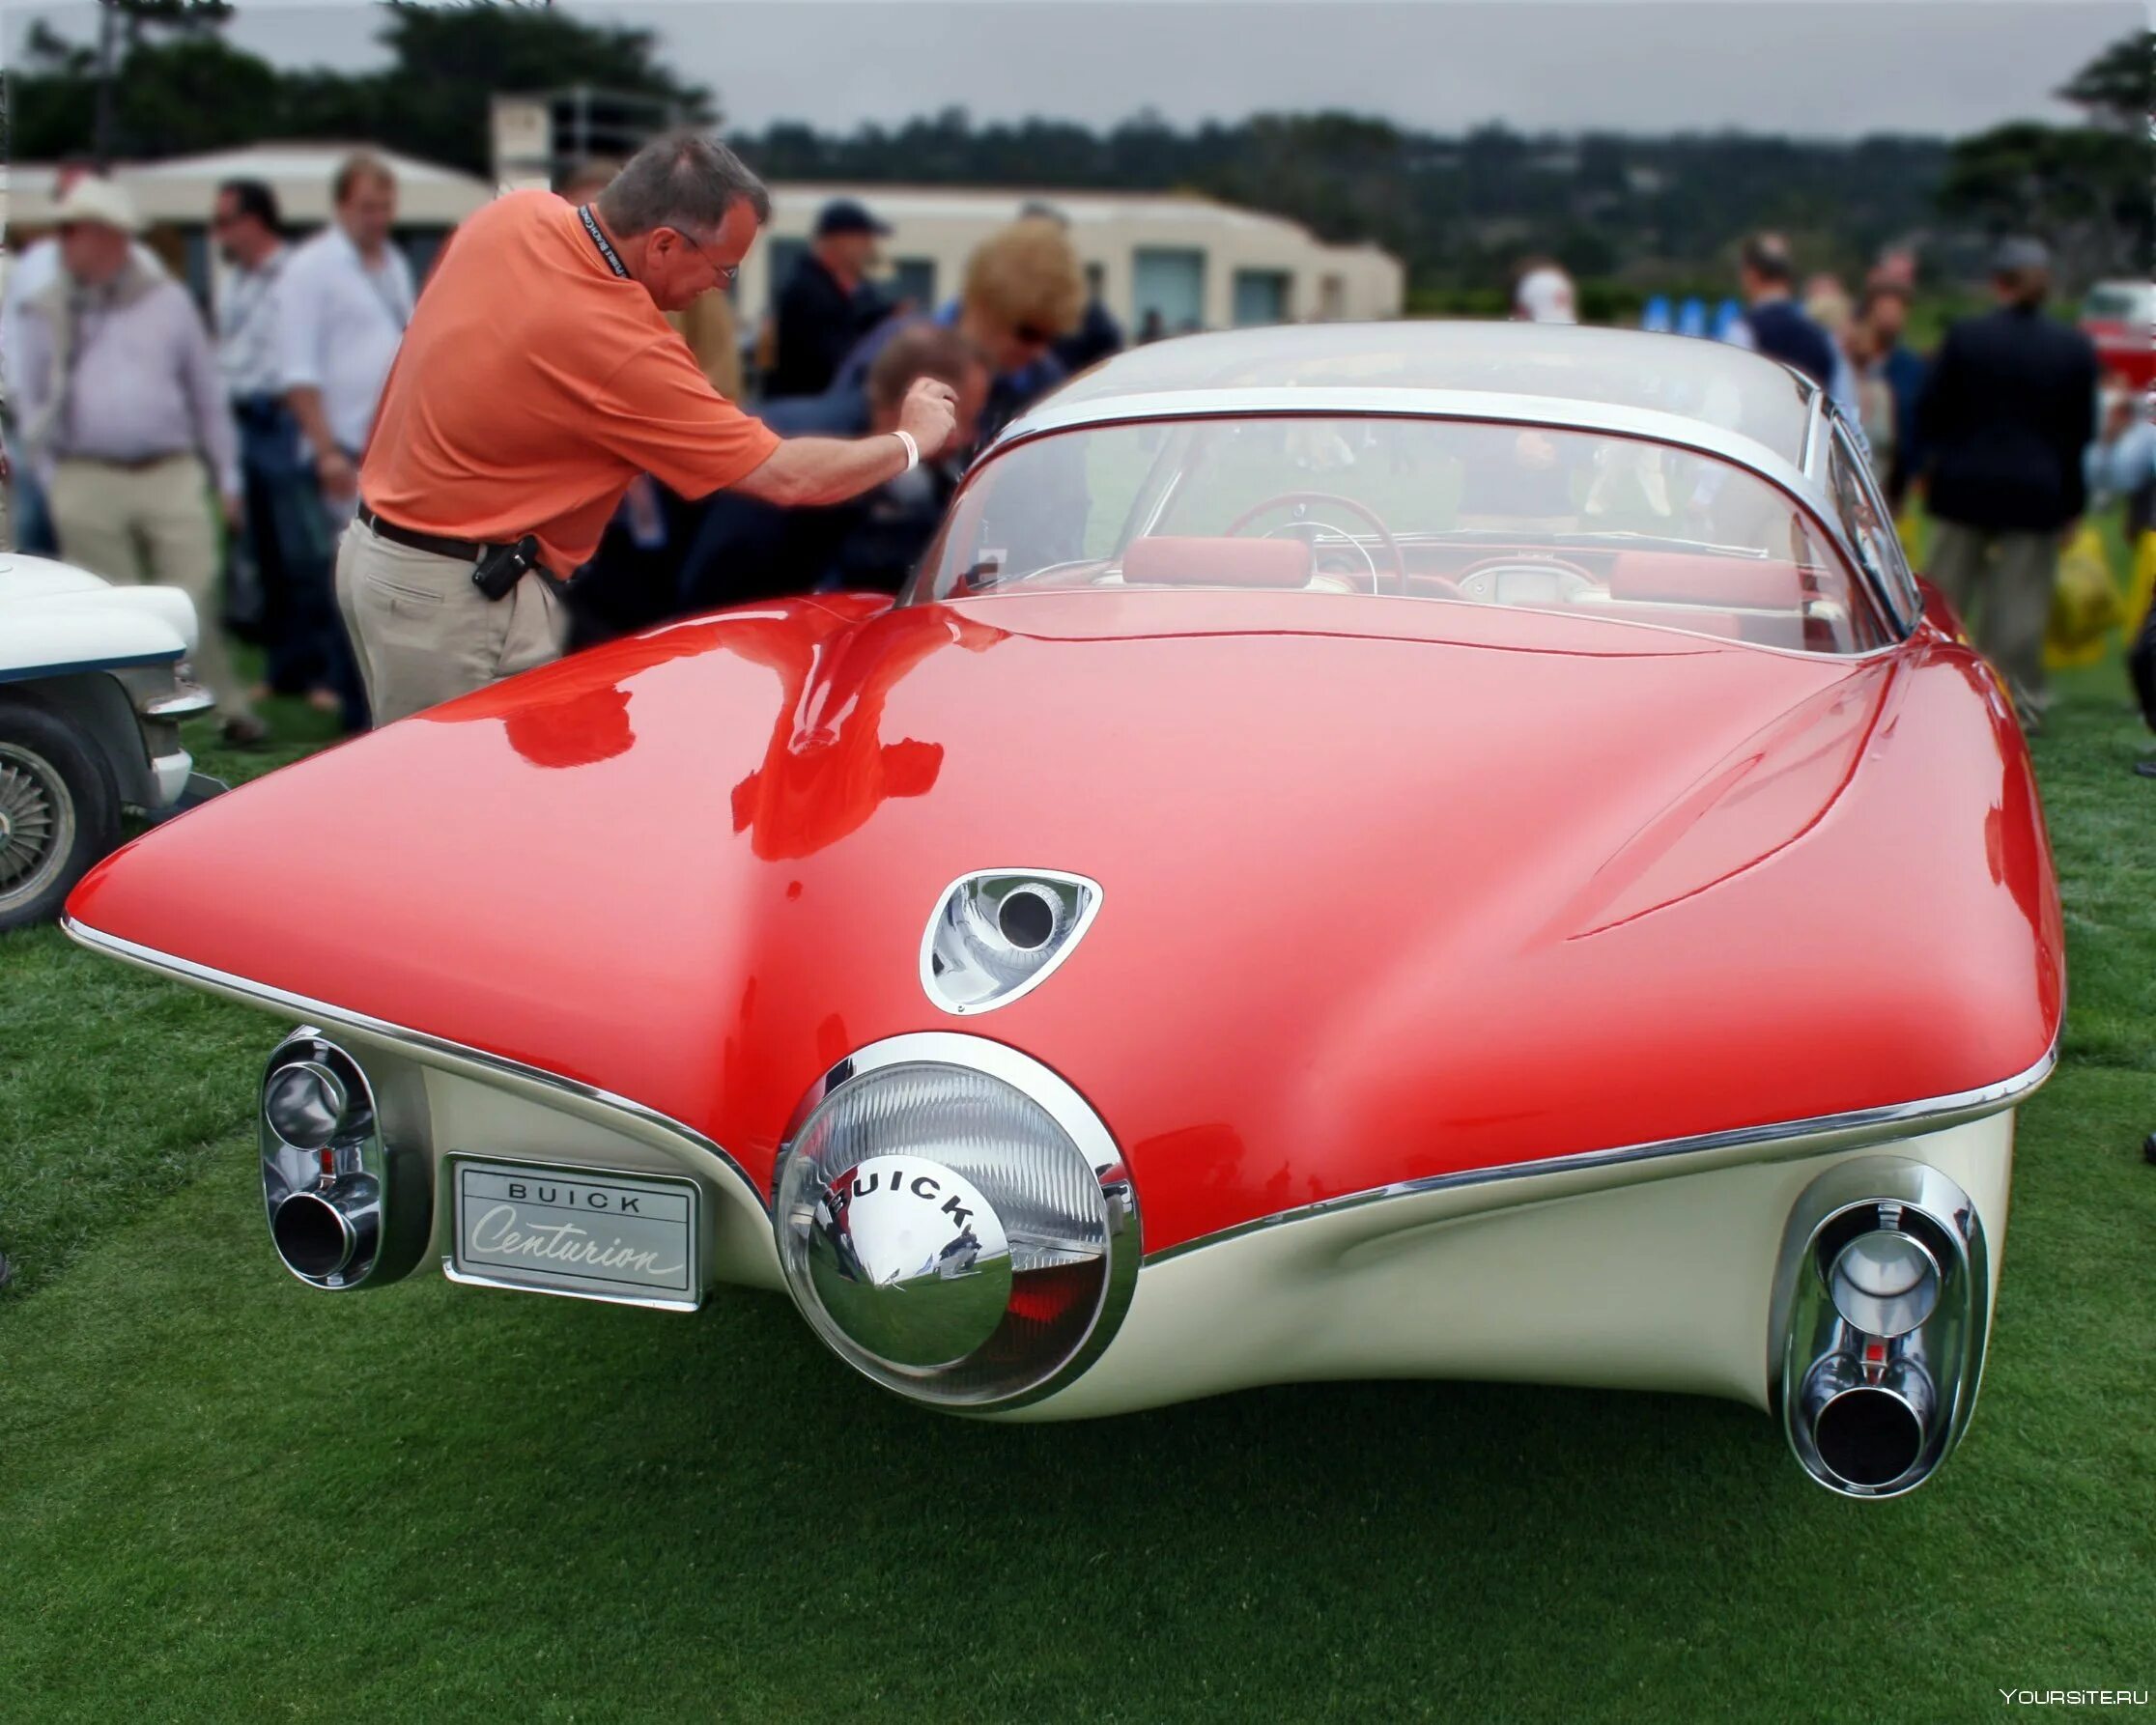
(345, 1209)
(1881, 1308)
(954, 1222)
(998, 932)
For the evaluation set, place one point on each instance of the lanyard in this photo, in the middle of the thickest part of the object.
(600, 240)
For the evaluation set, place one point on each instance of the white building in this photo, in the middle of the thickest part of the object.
(1194, 261)
(175, 196)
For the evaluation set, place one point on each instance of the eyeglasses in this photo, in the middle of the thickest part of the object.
(723, 274)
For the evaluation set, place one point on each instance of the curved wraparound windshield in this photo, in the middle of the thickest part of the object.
(1443, 509)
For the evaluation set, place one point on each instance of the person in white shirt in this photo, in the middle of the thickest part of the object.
(301, 635)
(1542, 293)
(124, 417)
(342, 306)
(32, 272)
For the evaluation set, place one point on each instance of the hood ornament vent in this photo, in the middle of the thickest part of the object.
(998, 932)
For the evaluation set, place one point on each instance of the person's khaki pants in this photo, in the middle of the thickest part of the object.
(152, 524)
(2001, 585)
(423, 634)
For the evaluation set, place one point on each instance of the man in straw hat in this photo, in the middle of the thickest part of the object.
(122, 410)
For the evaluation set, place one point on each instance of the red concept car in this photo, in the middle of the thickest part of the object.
(1398, 851)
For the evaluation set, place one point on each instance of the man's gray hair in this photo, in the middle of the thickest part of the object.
(686, 181)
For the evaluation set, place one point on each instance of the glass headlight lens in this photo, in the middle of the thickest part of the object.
(1884, 1283)
(944, 1232)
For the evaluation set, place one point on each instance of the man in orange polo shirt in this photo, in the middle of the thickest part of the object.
(538, 377)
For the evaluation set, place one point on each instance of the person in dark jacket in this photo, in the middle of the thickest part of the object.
(1097, 337)
(2006, 417)
(827, 303)
(747, 550)
(1773, 322)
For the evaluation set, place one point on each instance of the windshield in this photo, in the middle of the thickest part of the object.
(1440, 509)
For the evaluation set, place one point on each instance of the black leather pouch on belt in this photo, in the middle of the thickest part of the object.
(504, 566)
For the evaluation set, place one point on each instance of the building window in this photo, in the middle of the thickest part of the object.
(1169, 286)
(1261, 297)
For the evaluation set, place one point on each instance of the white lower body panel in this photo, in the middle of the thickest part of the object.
(1652, 1275)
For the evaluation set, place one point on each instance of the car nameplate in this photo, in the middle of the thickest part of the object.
(549, 1228)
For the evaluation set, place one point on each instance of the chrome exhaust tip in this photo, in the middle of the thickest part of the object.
(1868, 1434)
(347, 1208)
(1881, 1308)
(318, 1234)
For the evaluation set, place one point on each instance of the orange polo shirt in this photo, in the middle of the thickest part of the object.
(534, 385)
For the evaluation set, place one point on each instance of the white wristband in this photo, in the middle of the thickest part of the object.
(913, 450)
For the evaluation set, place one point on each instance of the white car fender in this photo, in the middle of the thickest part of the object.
(55, 618)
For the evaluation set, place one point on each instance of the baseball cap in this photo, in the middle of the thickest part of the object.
(91, 199)
(842, 215)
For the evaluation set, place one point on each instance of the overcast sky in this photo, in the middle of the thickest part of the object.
(1816, 67)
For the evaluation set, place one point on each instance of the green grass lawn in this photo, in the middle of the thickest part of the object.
(224, 1496)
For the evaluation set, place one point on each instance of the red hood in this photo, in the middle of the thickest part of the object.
(1487, 888)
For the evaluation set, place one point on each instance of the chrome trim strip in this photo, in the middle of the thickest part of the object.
(1087, 1130)
(1818, 418)
(437, 1051)
(1842, 1131)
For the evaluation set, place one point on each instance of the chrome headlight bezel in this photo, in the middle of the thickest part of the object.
(795, 1192)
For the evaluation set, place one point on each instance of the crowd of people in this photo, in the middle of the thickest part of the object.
(122, 401)
(366, 447)
(2005, 435)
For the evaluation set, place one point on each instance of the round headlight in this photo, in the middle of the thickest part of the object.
(1884, 1283)
(947, 1232)
(305, 1103)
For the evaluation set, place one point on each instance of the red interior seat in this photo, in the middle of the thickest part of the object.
(1190, 561)
(1679, 577)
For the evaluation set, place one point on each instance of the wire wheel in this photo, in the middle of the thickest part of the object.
(37, 824)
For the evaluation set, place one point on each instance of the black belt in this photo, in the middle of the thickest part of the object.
(439, 545)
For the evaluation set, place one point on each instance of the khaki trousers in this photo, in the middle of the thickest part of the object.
(2001, 585)
(152, 524)
(423, 634)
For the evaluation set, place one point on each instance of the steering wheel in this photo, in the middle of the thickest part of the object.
(1307, 498)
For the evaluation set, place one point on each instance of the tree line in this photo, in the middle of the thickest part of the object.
(1649, 212)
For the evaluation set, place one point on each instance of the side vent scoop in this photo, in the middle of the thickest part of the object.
(999, 932)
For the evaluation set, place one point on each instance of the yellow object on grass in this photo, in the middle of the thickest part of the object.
(2085, 603)
(2143, 591)
(1909, 528)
